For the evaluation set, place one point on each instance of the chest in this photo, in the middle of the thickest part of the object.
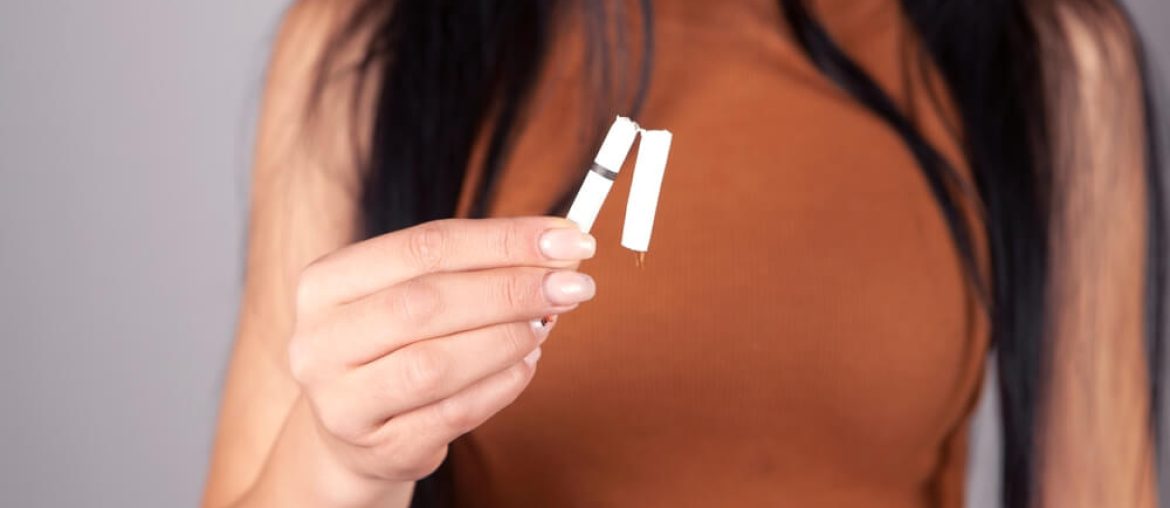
(801, 310)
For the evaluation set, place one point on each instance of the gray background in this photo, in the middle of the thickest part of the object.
(125, 137)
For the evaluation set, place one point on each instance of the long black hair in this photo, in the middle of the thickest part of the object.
(456, 73)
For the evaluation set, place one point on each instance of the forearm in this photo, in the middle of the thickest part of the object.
(301, 471)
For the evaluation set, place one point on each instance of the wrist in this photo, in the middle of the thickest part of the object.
(305, 470)
(339, 486)
(335, 483)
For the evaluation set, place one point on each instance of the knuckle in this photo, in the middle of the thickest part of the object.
(301, 363)
(415, 302)
(390, 440)
(457, 417)
(510, 239)
(424, 370)
(426, 243)
(518, 339)
(520, 291)
(338, 422)
(519, 376)
(308, 290)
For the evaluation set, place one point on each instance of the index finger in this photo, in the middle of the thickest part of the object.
(448, 245)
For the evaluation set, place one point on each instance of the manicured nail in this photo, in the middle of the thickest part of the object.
(567, 244)
(548, 321)
(567, 288)
(543, 327)
(532, 357)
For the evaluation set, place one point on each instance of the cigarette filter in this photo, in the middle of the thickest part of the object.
(643, 202)
(600, 177)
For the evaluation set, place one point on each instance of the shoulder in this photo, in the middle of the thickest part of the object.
(312, 86)
(315, 30)
(1099, 41)
(310, 22)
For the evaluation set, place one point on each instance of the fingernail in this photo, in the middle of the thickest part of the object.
(543, 327)
(567, 288)
(567, 244)
(532, 357)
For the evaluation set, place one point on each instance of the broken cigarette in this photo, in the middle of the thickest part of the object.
(644, 190)
(600, 177)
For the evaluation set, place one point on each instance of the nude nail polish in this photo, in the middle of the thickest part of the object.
(567, 244)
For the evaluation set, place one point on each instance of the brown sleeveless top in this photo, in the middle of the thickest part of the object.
(800, 334)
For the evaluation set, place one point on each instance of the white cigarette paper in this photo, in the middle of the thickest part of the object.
(589, 200)
(614, 150)
(643, 202)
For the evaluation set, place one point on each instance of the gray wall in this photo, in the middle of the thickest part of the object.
(124, 147)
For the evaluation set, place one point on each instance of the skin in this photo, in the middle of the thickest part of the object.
(356, 363)
(1097, 448)
(408, 340)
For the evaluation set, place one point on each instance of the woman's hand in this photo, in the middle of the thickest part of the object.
(408, 340)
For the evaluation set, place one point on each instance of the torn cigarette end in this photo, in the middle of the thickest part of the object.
(599, 179)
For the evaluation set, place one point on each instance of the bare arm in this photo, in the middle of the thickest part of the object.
(302, 207)
(356, 364)
(1096, 442)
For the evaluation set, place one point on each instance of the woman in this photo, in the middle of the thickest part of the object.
(865, 198)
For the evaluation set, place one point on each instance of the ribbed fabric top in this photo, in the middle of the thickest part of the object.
(800, 334)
